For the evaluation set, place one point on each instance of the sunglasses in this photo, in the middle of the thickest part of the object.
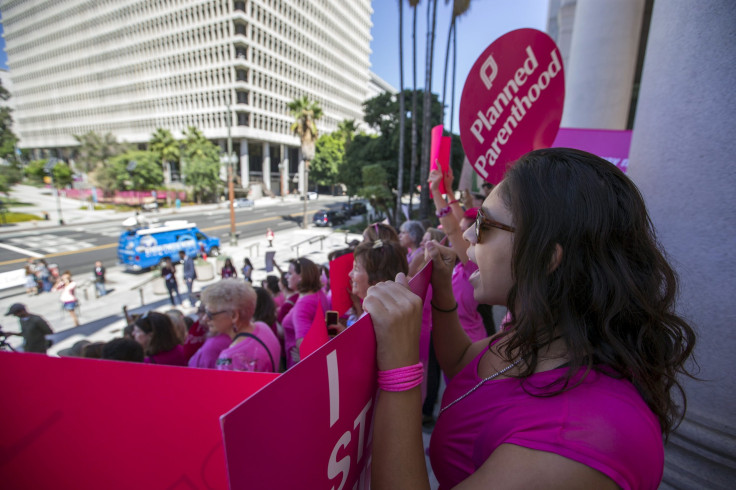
(482, 221)
(211, 314)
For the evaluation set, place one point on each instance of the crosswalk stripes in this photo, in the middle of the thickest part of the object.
(49, 244)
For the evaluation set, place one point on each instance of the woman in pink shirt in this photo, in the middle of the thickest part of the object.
(304, 276)
(161, 345)
(229, 307)
(577, 390)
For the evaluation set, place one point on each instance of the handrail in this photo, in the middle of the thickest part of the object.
(320, 238)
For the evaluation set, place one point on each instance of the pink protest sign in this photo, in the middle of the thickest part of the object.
(316, 336)
(313, 425)
(89, 424)
(340, 283)
(435, 155)
(612, 145)
(512, 101)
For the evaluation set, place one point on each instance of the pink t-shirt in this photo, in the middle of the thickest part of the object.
(173, 357)
(250, 355)
(207, 355)
(602, 423)
(467, 306)
(298, 322)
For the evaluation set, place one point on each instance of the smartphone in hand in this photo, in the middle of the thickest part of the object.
(331, 320)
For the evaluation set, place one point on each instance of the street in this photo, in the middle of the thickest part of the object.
(77, 247)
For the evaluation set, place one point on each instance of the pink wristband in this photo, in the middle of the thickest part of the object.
(401, 379)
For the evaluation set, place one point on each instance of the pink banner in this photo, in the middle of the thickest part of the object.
(312, 426)
(609, 144)
(340, 283)
(512, 101)
(89, 424)
(316, 336)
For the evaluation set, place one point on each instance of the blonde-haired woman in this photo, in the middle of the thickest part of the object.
(229, 307)
(68, 297)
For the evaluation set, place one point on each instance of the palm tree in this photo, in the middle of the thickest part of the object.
(402, 114)
(413, 164)
(347, 129)
(163, 144)
(305, 114)
(424, 169)
(459, 7)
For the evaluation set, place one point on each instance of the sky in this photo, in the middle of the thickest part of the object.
(484, 22)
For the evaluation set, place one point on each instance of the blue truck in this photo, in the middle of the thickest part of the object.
(144, 247)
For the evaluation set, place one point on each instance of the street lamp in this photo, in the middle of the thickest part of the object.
(49, 169)
(229, 159)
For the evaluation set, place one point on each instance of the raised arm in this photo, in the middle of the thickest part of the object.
(451, 343)
(398, 452)
(447, 215)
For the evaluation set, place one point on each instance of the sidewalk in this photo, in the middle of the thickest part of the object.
(102, 318)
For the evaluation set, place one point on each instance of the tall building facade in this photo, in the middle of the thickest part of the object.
(130, 66)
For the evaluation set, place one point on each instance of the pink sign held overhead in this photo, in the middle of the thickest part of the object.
(439, 155)
(512, 101)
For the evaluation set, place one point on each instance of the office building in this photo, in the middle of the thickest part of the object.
(130, 66)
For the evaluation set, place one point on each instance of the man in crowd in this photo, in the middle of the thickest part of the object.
(33, 329)
(190, 274)
(99, 273)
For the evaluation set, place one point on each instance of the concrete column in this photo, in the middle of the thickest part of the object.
(266, 166)
(284, 170)
(603, 53)
(681, 159)
(244, 163)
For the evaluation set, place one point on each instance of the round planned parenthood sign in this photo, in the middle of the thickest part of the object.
(512, 101)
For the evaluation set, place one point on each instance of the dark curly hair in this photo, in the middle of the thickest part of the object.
(612, 296)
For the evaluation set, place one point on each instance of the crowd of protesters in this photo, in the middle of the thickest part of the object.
(582, 365)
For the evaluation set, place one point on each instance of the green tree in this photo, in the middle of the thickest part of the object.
(346, 130)
(122, 174)
(61, 173)
(165, 146)
(375, 188)
(328, 157)
(306, 113)
(382, 113)
(95, 150)
(8, 140)
(201, 159)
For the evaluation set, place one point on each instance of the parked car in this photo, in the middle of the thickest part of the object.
(328, 217)
(310, 196)
(243, 203)
(354, 208)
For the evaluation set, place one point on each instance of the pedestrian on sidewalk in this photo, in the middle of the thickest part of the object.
(168, 272)
(33, 329)
(190, 274)
(68, 295)
(269, 237)
(247, 270)
(99, 273)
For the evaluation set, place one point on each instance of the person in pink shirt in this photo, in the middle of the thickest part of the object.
(581, 385)
(208, 342)
(156, 334)
(229, 307)
(304, 276)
